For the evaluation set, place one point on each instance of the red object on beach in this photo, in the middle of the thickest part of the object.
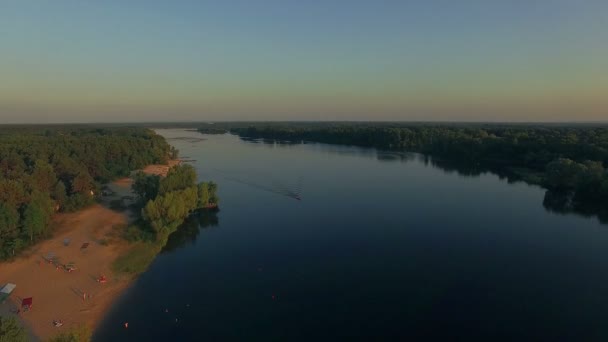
(26, 303)
(102, 279)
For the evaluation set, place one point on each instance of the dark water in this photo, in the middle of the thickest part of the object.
(381, 246)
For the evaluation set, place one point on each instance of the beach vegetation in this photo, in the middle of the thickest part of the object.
(11, 331)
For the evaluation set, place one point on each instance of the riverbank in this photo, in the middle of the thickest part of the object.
(76, 298)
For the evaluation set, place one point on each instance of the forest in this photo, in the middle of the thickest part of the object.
(44, 170)
(570, 161)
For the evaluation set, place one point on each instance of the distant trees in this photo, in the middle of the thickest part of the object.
(59, 169)
(569, 159)
(211, 130)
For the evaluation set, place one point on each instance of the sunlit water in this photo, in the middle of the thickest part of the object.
(380, 246)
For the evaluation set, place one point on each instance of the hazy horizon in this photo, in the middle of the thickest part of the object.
(410, 61)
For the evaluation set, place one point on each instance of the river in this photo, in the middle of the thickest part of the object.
(321, 242)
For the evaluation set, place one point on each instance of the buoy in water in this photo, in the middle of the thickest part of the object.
(126, 325)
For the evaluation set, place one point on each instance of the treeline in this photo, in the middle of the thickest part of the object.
(167, 201)
(48, 170)
(570, 161)
(212, 130)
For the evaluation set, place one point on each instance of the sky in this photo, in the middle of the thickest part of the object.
(425, 60)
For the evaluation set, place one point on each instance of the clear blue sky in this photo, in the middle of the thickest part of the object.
(480, 60)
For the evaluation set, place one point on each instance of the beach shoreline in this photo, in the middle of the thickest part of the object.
(77, 297)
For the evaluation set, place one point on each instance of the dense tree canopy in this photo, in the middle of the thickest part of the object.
(44, 170)
(169, 200)
(11, 331)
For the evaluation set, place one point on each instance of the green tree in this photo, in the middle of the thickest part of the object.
(34, 220)
(9, 224)
(146, 186)
(82, 183)
(59, 194)
(203, 194)
(165, 213)
(43, 177)
(564, 174)
(37, 215)
(11, 331)
(12, 192)
(178, 178)
(213, 198)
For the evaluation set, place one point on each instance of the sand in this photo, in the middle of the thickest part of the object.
(159, 169)
(58, 294)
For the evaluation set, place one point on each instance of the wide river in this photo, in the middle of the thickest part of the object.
(322, 242)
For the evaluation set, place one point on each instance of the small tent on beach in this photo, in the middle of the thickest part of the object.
(6, 291)
(26, 303)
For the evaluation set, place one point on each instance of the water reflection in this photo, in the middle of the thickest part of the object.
(380, 155)
(395, 157)
(188, 232)
(567, 203)
(555, 202)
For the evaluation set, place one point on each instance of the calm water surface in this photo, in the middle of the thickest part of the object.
(381, 246)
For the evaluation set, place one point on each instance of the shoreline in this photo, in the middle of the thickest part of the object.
(76, 298)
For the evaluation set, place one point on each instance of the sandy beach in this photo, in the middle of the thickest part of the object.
(74, 297)
(160, 170)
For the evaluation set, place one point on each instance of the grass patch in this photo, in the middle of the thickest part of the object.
(135, 233)
(77, 334)
(137, 259)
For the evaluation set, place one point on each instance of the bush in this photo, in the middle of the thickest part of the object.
(11, 331)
